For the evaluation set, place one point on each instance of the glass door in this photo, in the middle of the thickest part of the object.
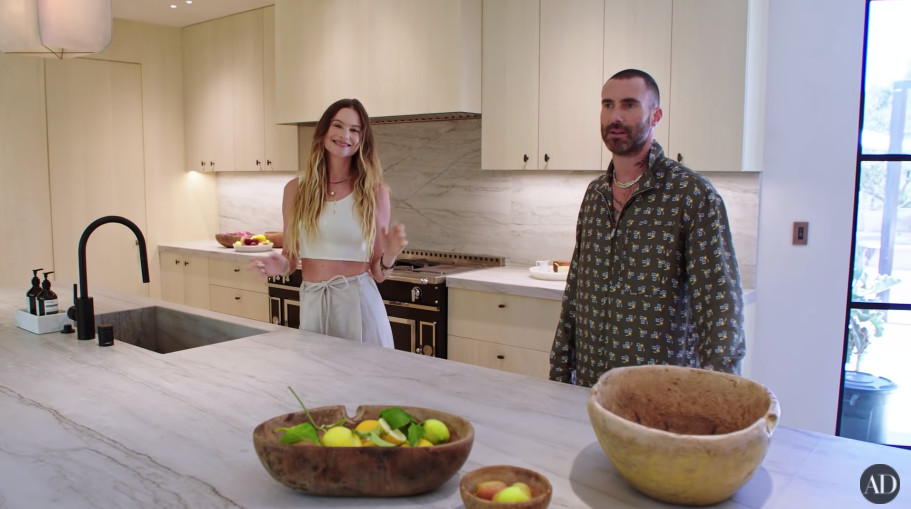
(875, 403)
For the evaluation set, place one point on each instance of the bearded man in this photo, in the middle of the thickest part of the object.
(653, 279)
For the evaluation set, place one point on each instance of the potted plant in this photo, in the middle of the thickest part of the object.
(864, 323)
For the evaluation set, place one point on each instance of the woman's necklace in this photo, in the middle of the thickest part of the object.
(331, 192)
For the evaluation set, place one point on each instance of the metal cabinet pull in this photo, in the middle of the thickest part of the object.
(501, 306)
(679, 157)
(501, 357)
(186, 263)
(525, 158)
(236, 298)
(546, 158)
(176, 262)
(236, 270)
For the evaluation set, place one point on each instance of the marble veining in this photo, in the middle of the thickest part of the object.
(85, 426)
(449, 204)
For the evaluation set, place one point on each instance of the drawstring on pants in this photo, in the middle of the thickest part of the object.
(325, 288)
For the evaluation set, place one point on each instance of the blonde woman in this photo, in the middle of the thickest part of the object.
(336, 222)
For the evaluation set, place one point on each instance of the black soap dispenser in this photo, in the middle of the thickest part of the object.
(47, 300)
(33, 293)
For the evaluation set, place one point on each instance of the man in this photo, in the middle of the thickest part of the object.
(653, 278)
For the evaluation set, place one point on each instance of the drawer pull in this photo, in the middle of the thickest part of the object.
(236, 270)
(236, 298)
(501, 357)
(501, 306)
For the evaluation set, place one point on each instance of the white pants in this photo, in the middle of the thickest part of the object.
(348, 308)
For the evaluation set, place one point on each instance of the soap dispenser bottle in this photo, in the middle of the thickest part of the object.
(32, 294)
(47, 300)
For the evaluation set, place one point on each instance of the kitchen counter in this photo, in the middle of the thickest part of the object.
(518, 281)
(85, 426)
(209, 249)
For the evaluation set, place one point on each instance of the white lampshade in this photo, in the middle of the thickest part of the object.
(55, 28)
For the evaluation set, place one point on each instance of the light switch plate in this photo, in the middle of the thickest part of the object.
(801, 230)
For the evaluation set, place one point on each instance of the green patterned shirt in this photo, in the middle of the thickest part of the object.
(661, 286)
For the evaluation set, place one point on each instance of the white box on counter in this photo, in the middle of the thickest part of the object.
(41, 324)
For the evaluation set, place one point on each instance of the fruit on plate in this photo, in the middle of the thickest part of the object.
(393, 428)
(253, 240)
(511, 494)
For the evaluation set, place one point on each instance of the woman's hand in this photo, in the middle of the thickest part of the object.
(272, 265)
(393, 240)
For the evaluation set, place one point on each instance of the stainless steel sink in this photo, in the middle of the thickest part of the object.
(164, 330)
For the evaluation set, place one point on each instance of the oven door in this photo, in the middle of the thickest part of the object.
(414, 330)
(292, 311)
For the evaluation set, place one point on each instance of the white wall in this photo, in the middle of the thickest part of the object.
(814, 72)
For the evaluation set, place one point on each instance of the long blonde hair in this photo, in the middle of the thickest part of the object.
(313, 185)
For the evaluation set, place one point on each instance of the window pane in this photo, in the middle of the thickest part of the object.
(888, 79)
(876, 401)
(882, 261)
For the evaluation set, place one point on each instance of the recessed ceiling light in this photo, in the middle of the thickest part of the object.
(189, 1)
(173, 6)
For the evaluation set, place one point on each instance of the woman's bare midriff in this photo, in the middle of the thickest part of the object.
(317, 271)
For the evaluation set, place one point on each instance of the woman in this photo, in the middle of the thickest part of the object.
(336, 222)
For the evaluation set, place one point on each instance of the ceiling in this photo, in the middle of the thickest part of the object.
(159, 12)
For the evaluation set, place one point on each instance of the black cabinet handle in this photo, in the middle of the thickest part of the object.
(202, 163)
(236, 270)
(257, 162)
(546, 158)
(236, 298)
(501, 357)
(525, 158)
(186, 263)
(501, 306)
(269, 162)
(176, 262)
(679, 157)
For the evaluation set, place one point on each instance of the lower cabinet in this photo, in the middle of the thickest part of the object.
(214, 284)
(243, 303)
(500, 331)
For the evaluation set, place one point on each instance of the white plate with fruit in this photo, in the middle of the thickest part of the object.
(253, 244)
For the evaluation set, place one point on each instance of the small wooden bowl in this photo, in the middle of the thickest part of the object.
(362, 471)
(541, 490)
(275, 238)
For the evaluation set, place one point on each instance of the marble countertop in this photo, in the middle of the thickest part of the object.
(518, 281)
(208, 249)
(85, 426)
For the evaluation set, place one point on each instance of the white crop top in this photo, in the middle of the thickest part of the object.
(339, 235)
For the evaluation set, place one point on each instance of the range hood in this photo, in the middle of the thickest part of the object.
(405, 60)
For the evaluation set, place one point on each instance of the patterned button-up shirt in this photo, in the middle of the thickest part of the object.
(661, 286)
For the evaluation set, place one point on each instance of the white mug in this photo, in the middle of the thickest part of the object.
(545, 264)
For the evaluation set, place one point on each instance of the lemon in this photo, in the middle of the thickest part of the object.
(367, 426)
(365, 442)
(425, 443)
(340, 436)
(393, 436)
(435, 431)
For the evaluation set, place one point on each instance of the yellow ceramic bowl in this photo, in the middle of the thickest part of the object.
(683, 435)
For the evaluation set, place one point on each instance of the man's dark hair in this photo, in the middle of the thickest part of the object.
(650, 83)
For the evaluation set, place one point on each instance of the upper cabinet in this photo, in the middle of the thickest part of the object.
(545, 62)
(398, 57)
(229, 107)
(541, 84)
(717, 84)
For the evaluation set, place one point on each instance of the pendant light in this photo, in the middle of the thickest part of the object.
(55, 28)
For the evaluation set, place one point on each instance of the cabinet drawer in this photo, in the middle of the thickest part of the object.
(503, 357)
(243, 303)
(234, 275)
(524, 322)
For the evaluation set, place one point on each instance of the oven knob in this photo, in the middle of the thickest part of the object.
(428, 350)
(275, 320)
(417, 350)
(415, 294)
(424, 281)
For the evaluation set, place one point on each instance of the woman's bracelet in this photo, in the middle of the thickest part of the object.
(383, 265)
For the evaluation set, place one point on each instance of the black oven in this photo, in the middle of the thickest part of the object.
(284, 300)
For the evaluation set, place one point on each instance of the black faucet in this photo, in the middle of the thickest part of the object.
(83, 312)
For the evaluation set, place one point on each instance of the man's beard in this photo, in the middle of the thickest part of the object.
(633, 142)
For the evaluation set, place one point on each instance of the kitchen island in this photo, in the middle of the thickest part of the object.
(82, 426)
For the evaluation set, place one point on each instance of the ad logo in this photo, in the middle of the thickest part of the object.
(879, 484)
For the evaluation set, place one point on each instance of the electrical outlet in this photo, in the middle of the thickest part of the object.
(799, 237)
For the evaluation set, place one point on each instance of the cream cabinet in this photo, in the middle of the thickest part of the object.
(229, 96)
(25, 204)
(717, 84)
(185, 279)
(501, 331)
(398, 57)
(541, 85)
(237, 302)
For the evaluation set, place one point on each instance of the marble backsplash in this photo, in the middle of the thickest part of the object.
(449, 204)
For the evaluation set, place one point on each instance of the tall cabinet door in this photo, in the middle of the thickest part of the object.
(25, 206)
(709, 48)
(172, 283)
(281, 140)
(94, 117)
(571, 72)
(249, 138)
(195, 98)
(509, 125)
(196, 281)
(624, 48)
(219, 90)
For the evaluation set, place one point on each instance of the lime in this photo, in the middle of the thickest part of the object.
(435, 431)
(340, 436)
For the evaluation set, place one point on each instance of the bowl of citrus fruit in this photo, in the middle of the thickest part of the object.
(380, 451)
(505, 487)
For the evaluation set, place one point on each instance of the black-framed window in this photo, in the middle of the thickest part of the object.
(875, 396)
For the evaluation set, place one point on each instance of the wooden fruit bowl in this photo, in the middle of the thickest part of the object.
(683, 435)
(362, 471)
(541, 490)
